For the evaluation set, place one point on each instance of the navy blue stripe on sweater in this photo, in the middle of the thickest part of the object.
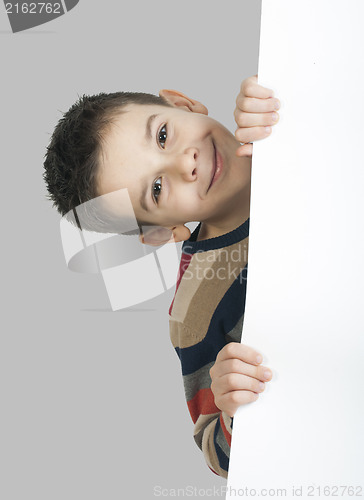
(223, 459)
(225, 317)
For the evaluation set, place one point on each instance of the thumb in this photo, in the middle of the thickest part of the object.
(245, 150)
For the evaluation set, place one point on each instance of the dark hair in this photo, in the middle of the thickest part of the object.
(73, 155)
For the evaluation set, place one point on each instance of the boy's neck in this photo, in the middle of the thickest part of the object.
(240, 215)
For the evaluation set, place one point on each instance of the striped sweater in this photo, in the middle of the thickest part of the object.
(206, 313)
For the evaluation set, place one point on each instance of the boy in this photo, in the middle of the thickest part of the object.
(179, 165)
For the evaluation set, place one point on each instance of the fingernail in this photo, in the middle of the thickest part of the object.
(274, 116)
(267, 374)
(268, 130)
(261, 386)
(259, 358)
(277, 104)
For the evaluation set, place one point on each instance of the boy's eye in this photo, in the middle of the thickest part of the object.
(156, 189)
(162, 136)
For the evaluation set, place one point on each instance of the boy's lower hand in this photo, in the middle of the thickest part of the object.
(237, 377)
(255, 113)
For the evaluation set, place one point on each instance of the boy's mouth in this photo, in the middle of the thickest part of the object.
(216, 167)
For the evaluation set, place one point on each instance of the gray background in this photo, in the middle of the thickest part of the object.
(92, 402)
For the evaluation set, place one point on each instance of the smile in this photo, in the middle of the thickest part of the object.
(216, 169)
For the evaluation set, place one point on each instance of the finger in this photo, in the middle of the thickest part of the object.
(245, 150)
(251, 88)
(238, 382)
(230, 402)
(236, 366)
(252, 134)
(252, 105)
(240, 351)
(255, 119)
(253, 79)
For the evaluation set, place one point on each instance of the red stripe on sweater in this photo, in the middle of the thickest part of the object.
(225, 431)
(203, 403)
(212, 470)
(185, 262)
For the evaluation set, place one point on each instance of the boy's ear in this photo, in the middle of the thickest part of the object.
(158, 235)
(180, 100)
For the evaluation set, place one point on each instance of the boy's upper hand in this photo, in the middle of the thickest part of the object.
(255, 113)
(237, 377)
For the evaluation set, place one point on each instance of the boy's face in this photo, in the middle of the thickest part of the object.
(178, 165)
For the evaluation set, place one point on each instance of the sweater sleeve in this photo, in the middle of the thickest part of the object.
(212, 427)
(207, 313)
(212, 430)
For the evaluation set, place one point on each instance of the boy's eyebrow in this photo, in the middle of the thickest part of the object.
(148, 127)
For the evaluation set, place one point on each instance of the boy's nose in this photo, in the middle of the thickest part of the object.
(186, 164)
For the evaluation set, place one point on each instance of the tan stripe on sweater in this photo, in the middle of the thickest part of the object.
(198, 295)
(200, 426)
(208, 448)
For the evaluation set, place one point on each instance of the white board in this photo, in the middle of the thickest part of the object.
(305, 298)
